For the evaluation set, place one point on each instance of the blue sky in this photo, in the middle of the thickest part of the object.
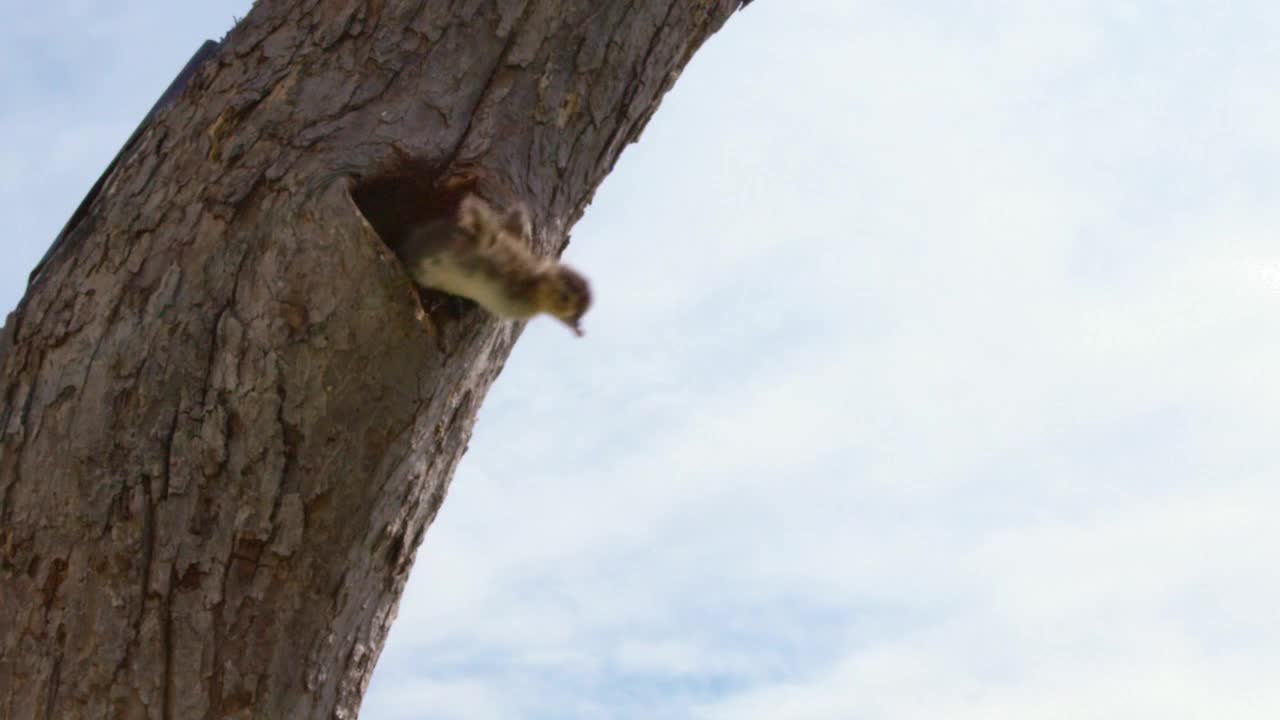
(933, 372)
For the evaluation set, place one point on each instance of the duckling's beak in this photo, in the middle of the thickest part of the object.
(574, 326)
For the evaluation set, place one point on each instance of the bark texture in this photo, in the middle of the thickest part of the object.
(226, 416)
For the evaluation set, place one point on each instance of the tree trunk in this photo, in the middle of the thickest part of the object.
(227, 416)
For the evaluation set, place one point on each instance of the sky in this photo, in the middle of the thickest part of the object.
(932, 372)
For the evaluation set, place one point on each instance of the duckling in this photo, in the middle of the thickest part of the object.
(484, 256)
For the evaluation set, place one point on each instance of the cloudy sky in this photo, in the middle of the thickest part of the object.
(939, 380)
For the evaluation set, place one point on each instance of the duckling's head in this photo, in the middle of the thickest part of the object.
(563, 293)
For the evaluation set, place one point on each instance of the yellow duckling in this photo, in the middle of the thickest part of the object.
(484, 256)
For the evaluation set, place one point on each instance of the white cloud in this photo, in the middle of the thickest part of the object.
(1160, 611)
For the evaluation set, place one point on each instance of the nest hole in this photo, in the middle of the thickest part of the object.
(412, 192)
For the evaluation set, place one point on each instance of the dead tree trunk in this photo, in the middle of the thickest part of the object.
(226, 416)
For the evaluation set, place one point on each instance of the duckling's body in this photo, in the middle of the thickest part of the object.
(485, 257)
(497, 286)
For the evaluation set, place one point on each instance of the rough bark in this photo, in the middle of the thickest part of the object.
(226, 416)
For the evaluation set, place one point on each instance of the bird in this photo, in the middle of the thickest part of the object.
(485, 255)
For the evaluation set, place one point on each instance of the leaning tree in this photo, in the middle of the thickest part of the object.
(227, 416)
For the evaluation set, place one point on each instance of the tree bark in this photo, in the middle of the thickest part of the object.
(226, 415)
